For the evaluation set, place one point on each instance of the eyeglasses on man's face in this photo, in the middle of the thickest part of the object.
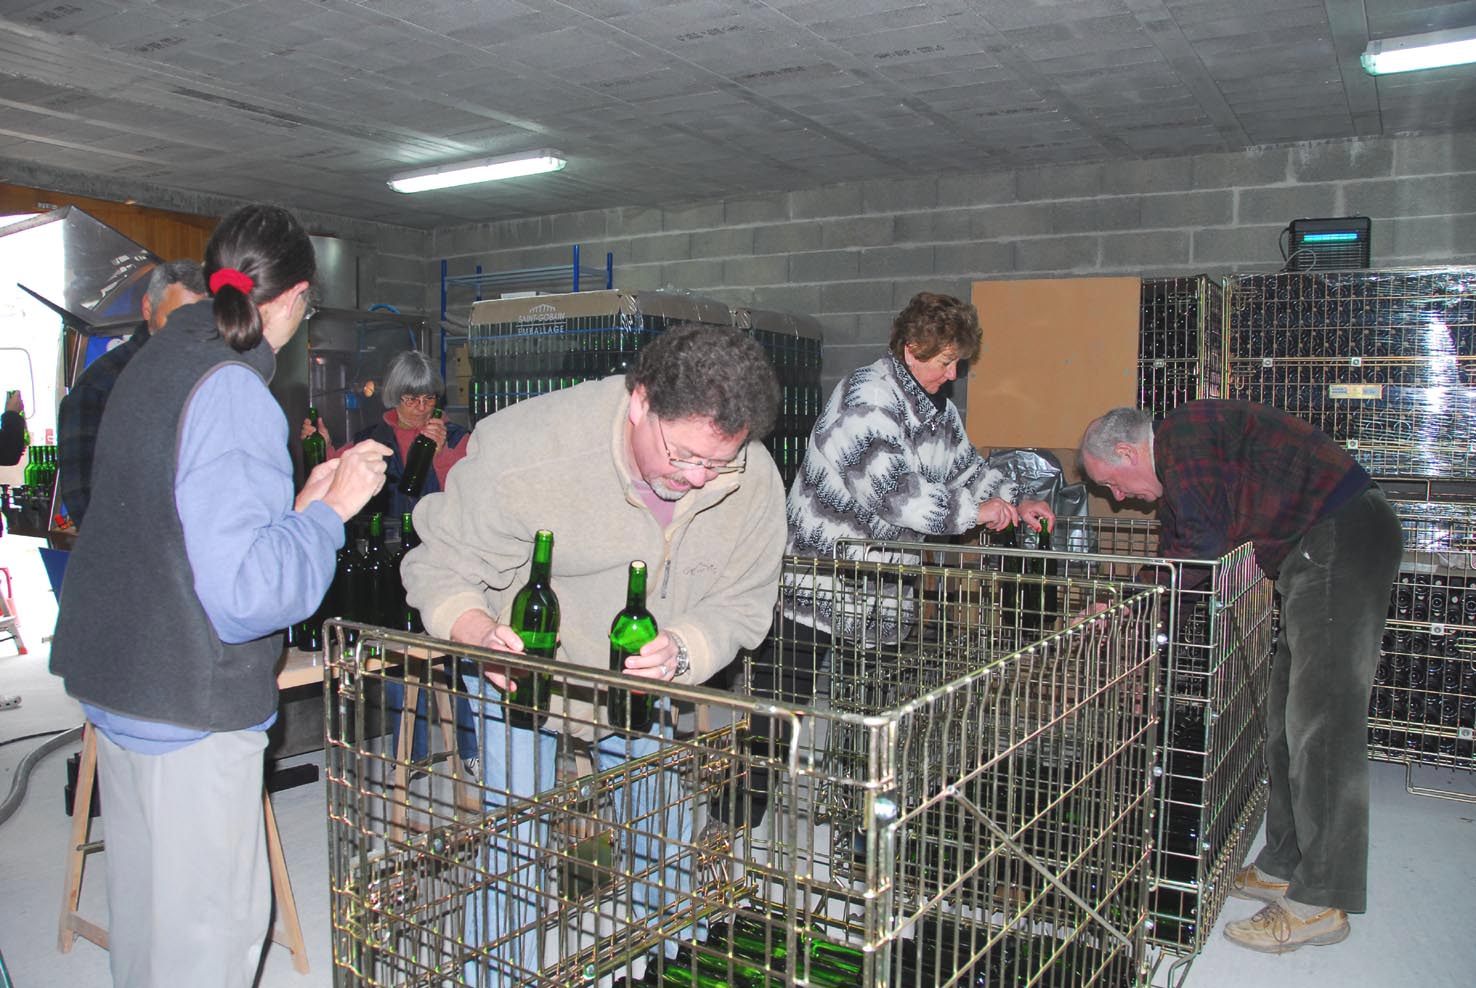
(734, 465)
(422, 401)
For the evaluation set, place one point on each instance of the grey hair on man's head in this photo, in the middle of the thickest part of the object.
(187, 273)
(712, 372)
(1121, 425)
(410, 373)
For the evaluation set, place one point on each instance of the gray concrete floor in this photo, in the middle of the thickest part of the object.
(1417, 932)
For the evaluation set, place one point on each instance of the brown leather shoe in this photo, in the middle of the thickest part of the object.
(1250, 884)
(1275, 930)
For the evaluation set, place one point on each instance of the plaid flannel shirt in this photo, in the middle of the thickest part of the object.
(78, 418)
(1236, 472)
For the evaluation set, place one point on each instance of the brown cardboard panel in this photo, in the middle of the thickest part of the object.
(1057, 353)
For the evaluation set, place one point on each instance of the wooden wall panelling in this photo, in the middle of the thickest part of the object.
(173, 236)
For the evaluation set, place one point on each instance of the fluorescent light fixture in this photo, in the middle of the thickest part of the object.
(1420, 51)
(483, 170)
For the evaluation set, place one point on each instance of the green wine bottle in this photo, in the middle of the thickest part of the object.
(633, 627)
(407, 618)
(1050, 598)
(375, 575)
(535, 617)
(418, 462)
(345, 589)
(830, 965)
(314, 447)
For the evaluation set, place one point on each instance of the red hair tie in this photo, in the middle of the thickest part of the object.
(230, 276)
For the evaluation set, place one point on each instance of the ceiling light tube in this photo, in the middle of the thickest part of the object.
(482, 170)
(1420, 51)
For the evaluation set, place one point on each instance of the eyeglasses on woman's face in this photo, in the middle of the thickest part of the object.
(418, 401)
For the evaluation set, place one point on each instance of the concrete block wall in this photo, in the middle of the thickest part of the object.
(853, 254)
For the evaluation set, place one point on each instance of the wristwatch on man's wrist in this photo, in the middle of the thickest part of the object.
(683, 662)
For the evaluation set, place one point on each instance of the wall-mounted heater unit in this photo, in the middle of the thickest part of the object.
(1328, 244)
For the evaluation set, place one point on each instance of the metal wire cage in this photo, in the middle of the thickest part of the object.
(1423, 706)
(991, 821)
(1181, 347)
(524, 347)
(1384, 362)
(1216, 647)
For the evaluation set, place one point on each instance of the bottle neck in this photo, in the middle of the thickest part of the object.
(635, 589)
(542, 557)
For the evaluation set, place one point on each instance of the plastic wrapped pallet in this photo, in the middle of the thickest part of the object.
(522, 347)
(793, 343)
(1382, 361)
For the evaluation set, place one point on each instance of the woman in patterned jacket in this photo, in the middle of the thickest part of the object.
(888, 460)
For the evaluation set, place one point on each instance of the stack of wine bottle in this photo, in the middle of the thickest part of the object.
(366, 584)
(796, 361)
(1382, 361)
(520, 351)
(1424, 694)
(40, 469)
(749, 953)
(1179, 342)
(1183, 851)
(1026, 607)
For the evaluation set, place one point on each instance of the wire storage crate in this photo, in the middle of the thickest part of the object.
(793, 343)
(1181, 351)
(1382, 361)
(992, 822)
(1217, 647)
(522, 347)
(1422, 710)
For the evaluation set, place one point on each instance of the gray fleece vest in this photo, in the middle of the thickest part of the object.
(131, 636)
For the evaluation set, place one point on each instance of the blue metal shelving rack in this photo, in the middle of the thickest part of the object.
(571, 277)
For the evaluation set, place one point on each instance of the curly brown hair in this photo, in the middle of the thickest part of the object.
(709, 372)
(933, 322)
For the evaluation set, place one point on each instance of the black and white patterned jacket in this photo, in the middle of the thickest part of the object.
(884, 463)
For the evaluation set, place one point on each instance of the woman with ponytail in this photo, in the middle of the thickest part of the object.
(195, 553)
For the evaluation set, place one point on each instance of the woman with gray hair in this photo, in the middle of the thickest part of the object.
(411, 387)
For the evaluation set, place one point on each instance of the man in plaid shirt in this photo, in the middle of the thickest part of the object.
(1224, 473)
(170, 286)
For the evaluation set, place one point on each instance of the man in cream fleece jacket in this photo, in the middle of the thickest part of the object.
(666, 466)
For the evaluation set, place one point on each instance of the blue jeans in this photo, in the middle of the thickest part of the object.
(655, 828)
(394, 705)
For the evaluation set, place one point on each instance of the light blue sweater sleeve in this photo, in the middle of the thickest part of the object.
(259, 565)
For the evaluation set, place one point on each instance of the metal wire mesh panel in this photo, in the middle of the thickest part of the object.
(793, 343)
(1216, 661)
(1382, 361)
(530, 346)
(525, 347)
(1423, 706)
(997, 823)
(1181, 350)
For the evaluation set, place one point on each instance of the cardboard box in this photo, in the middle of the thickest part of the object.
(458, 362)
